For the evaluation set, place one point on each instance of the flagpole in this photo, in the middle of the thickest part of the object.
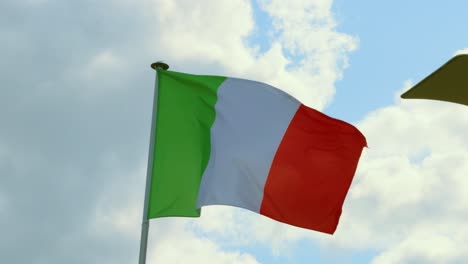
(149, 171)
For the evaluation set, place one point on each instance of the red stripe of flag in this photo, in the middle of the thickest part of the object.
(312, 171)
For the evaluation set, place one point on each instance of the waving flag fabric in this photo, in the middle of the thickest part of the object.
(228, 141)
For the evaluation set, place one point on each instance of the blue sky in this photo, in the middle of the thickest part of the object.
(75, 110)
(398, 41)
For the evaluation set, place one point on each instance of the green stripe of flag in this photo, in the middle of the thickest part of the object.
(185, 114)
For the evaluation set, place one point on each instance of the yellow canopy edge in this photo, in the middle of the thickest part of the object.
(448, 83)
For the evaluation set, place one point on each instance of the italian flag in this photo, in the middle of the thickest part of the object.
(236, 142)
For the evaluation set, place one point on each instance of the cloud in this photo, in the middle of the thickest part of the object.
(300, 27)
(171, 240)
(169, 246)
(307, 29)
(409, 197)
(426, 245)
(235, 227)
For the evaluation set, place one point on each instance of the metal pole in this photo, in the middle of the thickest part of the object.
(149, 171)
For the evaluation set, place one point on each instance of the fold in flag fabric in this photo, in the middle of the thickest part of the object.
(242, 143)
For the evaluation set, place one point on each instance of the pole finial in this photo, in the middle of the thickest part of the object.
(159, 65)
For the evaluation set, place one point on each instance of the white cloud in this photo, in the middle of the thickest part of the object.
(34, 3)
(239, 227)
(308, 29)
(103, 61)
(428, 244)
(3, 203)
(118, 207)
(409, 197)
(118, 211)
(201, 37)
(180, 245)
(195, 34)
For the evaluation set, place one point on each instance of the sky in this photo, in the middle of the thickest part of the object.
(75, 113)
